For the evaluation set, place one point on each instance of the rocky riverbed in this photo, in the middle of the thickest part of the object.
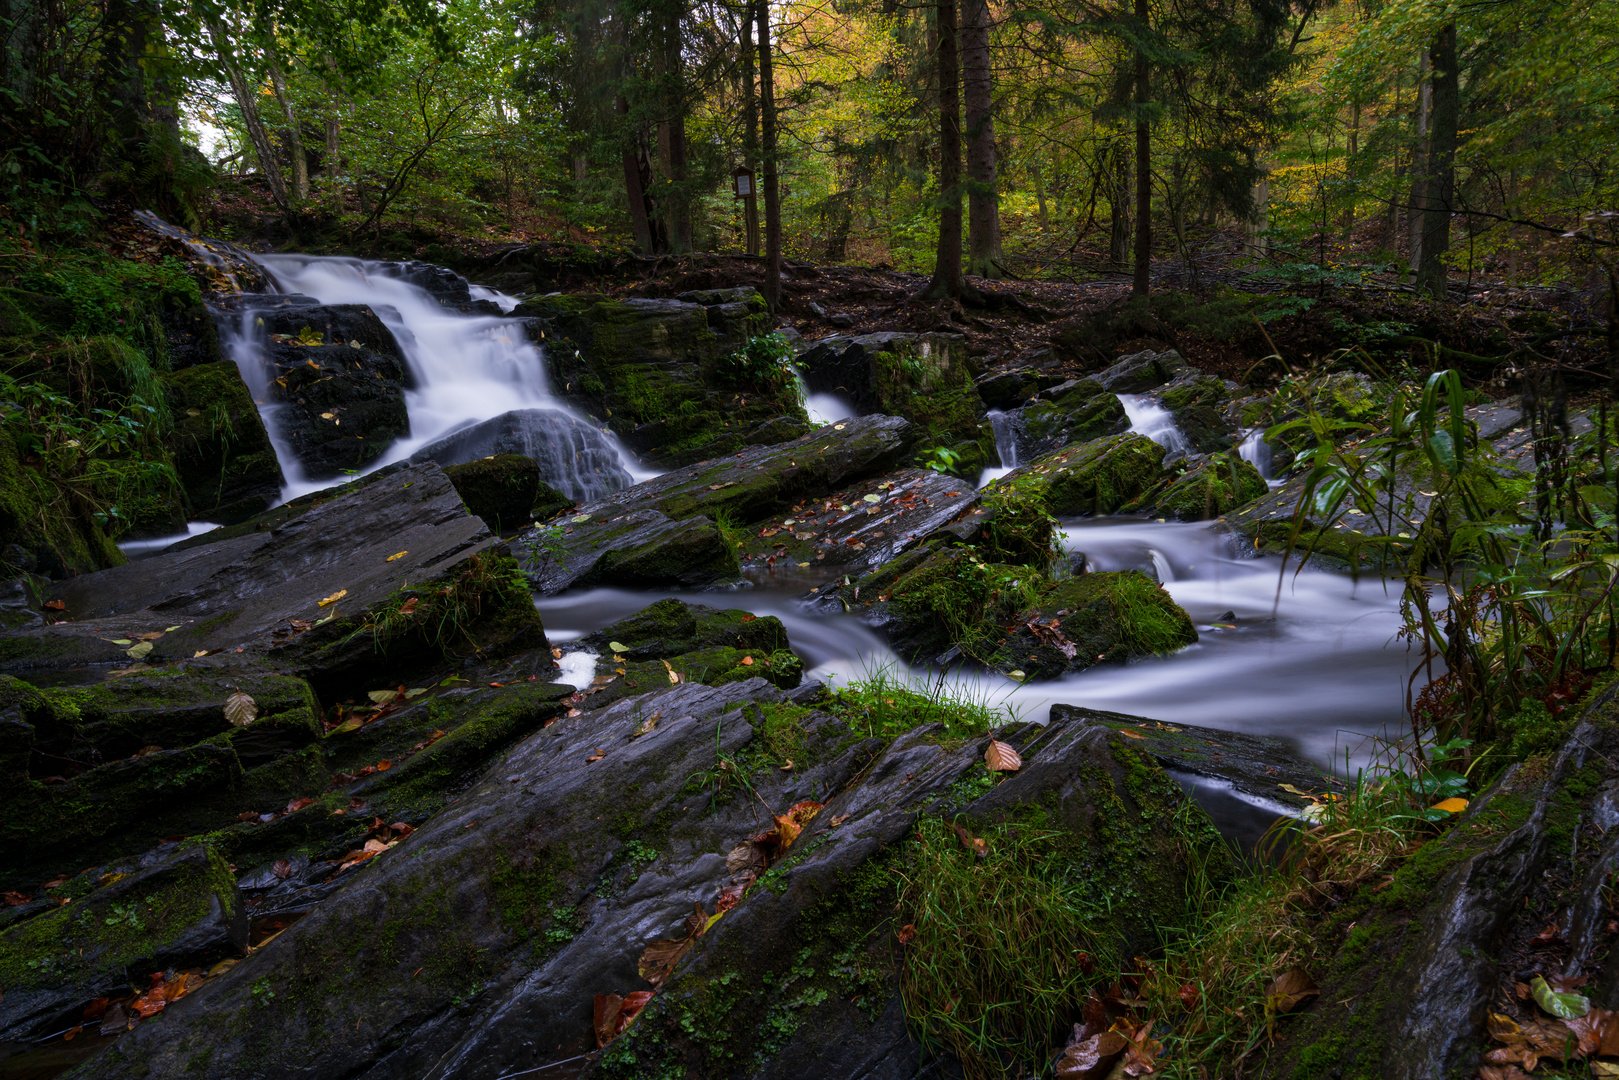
(316, 792)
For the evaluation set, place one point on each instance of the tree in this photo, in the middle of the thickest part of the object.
(772, 189)
(1439, 182)
(947, 280)
(978, 92)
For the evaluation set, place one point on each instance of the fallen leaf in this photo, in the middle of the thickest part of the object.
(56, 605)
(298, 804)
(674, 676)
(746, 858)
(97, 1008)
(240, 709)
(1131, 734)
(839, 819)
(1292, 990)
(384, 765)
(975, 844)
(139, 651)
(731, 894)
(906, 933)
(162, 994)
(282, 868)
(658, 959)
(334, 598)
(747, 661)
(597, 756)
(1090, 1055)
(1598, 1032)
(15, 899)
(409, 606)
(1450, 806)
(1562, 1006)
(613, 1014)
(397, 555)
(647, 726)
(382, 697)
(618, 648)
(1002, 758)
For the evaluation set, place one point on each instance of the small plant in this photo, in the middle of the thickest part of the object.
(940, 459)
(886, 703)
(764, 363)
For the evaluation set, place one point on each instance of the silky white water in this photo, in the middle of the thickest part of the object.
(1148, 417)
(467, 368)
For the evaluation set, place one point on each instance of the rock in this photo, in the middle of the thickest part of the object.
(190, 337)
(1140, 372)
(342, 397)
(54, 544)
(925, 378)
(181, 911)
(1099, 618)
(857, 528)
(1197, 402)
(221, 451)
(1010, 389)
(1071, 412)
(1212, 487)
(665, 531)
(500, 489)
(259, 594)
(672, 627)
(573, 457)
(1438, 944)
(652, 370)
(1096, 477)
(444, 285)
(591, 841)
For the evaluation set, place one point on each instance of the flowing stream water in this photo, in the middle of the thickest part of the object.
(1304, 655)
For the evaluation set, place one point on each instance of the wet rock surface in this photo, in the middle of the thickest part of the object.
(572, 457)
(221, 450)
(666, 531)
(1096, 477)
(480, 943)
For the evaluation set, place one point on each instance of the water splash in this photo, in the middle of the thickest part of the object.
(1005, 447)
(1257, 452)
(1148, 417)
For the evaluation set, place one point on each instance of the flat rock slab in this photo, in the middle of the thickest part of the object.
(235, 593)
(860, 527)
(664, 531)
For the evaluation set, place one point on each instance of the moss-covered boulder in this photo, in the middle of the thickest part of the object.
(671, 627)
(500, 489)
(180, 909)
(651, 370)
(1010, 388)
(221, 451)
(572, 456)
(1198, 404)
(1212, 487)
(926, 378)
(1097, 477)
(41, 530)
(493, 928)
(1070, 413)
(1142, 371)
(1095, 618)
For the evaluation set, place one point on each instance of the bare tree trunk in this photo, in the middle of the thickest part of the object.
(1143, 267)
(1040, 197)
(640, 226)
(1257, 242)
(772, 191)
(1441, 178)
(1349, 169)
(750, 138)
(677, 208)
(1419, 171)
(947, 279)
(295, 137)
(978, 99)
(250, 113)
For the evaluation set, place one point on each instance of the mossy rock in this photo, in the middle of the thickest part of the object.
(56, 537)
(671, 627)
(501, 489)
(1096, 477)
(941, 599)
(712, 667)
(221, 451)
(1095, 618)
(1079, 416)
(1211, 488)
(182, 912)
(1198, 406)
(548, 502)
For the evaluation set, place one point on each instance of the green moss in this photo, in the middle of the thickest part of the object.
(1211, 488)
(222, 453)
(501, 489)
(1106, 617)
(1098, 477)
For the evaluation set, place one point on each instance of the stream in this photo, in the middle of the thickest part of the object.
(1306, 656)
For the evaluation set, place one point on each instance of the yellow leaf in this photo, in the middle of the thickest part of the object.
(1450, 806)
(398, 555)
(334, 598)
(1131, 734)
(382, 697)
(139, 651)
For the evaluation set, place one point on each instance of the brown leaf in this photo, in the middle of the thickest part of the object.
(1598, 1032)
(55, 605)
(731, 895)
(747, 661)
(298, 804)
(975, 844)
(746, 858)
(1002, 758)
(1292, 990)
(15, 899)
(409, 606)
(1091, 1057)
(282, 868)
(240, 709)
(1131, 734)
(607, 1008)
(658, 959)
(906, 933)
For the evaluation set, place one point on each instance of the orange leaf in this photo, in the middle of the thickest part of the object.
(658, 959)
(384, 765)
(906, 933)
(1002, 758)
(747, 661)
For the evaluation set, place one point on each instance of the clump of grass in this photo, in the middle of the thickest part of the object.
(997, 966)
(886, 703)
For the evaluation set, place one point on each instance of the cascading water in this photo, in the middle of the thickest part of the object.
(1256, 452)
(821, 408)
(1148, 417)
(466, 369)
(1005, 446)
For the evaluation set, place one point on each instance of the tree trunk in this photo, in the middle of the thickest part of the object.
(947, 279)
(295, 138)
(1140, 285)
(1349, 170)
(772, 192)
(1419, 170)
(677, 207)
(750, 139)
(978, 94)
(250, 113)
(640, 225)
(1258, 243)
(1441, 179)
(1040, 197)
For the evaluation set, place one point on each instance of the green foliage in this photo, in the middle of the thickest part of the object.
(884, 704)
(765, 363)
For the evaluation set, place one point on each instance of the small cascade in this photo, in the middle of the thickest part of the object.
(1148, 417)
(821, 408)
(464, 370)
(1005, 446)
(1256, 452)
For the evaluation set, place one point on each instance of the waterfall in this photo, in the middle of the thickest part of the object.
(464, 369)
(1147, 417)
(1005, 446)
(1256, 451)
(821, 408)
